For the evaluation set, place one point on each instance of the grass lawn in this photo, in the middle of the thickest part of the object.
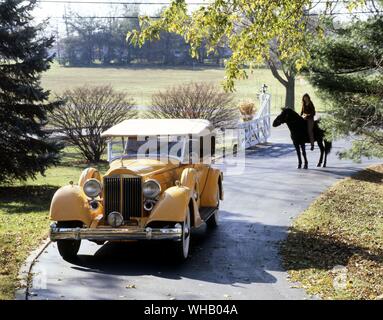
(335, 248)
(24, 219)
(142, 82)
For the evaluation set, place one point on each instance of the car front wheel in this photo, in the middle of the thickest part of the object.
(68, 249)
(182, 246)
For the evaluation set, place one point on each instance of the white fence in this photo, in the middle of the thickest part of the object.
(257, 130)
(246, 134)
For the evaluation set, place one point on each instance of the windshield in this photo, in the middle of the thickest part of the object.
(163, 147)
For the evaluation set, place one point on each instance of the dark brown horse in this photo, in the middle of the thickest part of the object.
(299, 135)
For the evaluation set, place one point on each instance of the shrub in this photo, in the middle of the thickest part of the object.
(88, 111)
(195, 101)
(247, 110)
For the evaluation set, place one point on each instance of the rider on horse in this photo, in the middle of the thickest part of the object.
(308, 113)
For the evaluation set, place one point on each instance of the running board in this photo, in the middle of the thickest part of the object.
(207, 212)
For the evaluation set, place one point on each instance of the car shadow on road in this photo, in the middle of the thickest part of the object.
(237, 252)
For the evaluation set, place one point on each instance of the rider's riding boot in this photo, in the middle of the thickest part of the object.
(312, 147)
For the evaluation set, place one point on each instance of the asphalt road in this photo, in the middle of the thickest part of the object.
(238, 260)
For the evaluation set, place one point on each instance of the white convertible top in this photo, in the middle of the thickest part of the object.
(153, 127)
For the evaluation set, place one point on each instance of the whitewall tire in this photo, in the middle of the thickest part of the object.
(182, 247)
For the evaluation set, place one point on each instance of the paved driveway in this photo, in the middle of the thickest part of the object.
(239, 260)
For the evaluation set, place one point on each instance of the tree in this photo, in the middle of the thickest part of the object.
(195, 100)
(95, 41)
(82, 39)
(247, 26)
(112, 42)
(24, 146)
(289, 71)
(89, 111)
(347, 69)
(284, 69)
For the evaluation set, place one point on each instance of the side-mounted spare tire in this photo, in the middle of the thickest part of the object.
(89, 173)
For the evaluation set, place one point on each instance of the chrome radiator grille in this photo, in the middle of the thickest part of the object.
(124, 195)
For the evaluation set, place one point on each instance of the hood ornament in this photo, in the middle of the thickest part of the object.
(122, 162)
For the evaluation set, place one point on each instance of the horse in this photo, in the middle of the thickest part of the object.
(299, 135)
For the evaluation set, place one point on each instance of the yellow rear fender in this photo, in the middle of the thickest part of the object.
(212, 187)
(172, 205)
(89, 173)
(69, 203)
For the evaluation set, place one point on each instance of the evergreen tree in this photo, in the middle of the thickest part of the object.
(347, 69)
(24, 147)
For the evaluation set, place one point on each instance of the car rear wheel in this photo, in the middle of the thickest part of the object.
(213, 221)
(182, 246)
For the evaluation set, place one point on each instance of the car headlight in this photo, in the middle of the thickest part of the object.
(92, 188)
(151, 189)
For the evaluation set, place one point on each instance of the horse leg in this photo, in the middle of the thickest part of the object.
(303, 146)
(325, 157)
(296, 145)
(321, 147)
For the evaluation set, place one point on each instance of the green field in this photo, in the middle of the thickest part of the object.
(142, 82)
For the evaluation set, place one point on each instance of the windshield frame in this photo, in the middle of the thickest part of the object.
(157, 156)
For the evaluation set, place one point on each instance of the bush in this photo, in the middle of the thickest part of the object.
(88, 111)
(195, 101)
(247, 109)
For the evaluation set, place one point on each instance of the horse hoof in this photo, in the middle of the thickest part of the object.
(305, 167)
(299, 167)
(319, 165)
(324, 166)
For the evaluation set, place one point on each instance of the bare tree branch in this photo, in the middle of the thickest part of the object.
(275, 72)
(195, 101)
(87, 113)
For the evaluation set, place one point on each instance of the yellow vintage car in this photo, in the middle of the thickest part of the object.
(160, 184)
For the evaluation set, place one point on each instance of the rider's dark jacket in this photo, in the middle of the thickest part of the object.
(308, 111)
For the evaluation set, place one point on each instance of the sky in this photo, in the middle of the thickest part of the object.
(55, 9)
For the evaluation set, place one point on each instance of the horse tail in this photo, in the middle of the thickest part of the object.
(327, 146)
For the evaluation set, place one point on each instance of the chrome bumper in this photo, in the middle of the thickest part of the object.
(109, 234)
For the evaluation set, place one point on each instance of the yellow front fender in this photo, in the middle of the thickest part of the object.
(70, 203)
(171, 206)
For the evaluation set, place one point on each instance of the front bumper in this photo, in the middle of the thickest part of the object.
(109, 234)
